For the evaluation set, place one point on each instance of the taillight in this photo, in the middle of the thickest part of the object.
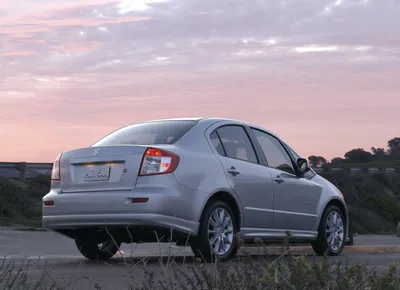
(55, 173)
(157, 161)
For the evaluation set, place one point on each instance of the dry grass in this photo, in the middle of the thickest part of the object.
(247, 272)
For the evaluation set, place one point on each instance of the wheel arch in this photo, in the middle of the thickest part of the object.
(342, 207)
(229, 198)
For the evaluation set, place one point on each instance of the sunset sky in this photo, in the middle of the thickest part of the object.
(323, 75)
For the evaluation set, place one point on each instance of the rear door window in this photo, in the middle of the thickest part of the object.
(236, 144)
(150, 133)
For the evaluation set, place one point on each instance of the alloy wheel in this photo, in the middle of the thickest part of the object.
(334, 229)
(220, 231)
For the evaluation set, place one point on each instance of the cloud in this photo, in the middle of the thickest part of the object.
(73, 61)
(316, 48)
(89, 36)
(47, 25)
(127, 6)
(18, 53)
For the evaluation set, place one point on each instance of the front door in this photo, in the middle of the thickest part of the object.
(295, 198)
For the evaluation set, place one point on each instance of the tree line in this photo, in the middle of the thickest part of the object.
(359, 155)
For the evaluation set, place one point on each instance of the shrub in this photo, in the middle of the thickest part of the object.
(18, 204)
(40, 181)
(386, 207)
(284, 272)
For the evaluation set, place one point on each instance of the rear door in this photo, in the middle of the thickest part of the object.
(295, 198)
(251, 181)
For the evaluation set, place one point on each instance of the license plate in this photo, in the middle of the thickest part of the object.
(97, 173)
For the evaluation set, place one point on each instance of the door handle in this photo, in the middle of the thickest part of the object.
(279, 179)
(233, 171)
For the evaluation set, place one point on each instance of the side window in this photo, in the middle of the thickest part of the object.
(217, 143)
(276, 155)
(236, 143)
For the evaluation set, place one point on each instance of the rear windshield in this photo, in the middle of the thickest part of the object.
(151, 133)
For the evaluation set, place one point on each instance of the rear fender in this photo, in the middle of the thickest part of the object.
(232, 194)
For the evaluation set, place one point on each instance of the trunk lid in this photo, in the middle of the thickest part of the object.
(101, 168)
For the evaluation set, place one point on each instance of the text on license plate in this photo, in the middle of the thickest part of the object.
(97, 173)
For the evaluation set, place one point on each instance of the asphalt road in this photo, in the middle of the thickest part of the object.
(22, 244)
(59, 254)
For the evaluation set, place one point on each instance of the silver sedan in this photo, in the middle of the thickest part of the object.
(205, 181)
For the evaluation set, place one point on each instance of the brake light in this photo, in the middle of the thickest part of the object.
(157, 161)
(55, 173)
(48, 203)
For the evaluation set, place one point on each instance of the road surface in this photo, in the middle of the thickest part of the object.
(59, 254)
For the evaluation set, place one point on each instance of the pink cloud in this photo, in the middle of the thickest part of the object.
(88, 46)
(30, 8)
(18, 53)
(46, 25)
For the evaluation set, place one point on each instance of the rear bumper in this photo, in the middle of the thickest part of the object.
(169, 206)
(55, 222)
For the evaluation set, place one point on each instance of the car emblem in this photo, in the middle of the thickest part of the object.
(96, 151)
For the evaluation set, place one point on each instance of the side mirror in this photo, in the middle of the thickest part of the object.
(302, 166)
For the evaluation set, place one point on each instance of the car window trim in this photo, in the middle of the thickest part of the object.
(290, 149)
(247, 134)
(220, 141)
(280, 142)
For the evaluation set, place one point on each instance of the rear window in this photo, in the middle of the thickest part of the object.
(151, 133)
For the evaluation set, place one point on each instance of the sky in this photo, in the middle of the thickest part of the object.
(322, 74)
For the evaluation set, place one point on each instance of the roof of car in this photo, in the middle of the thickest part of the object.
(211, 120)
(217, 119)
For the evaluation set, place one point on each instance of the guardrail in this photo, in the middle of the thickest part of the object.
(24, 170)
(355, 170)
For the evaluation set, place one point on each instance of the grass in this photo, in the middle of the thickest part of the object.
(247, 272)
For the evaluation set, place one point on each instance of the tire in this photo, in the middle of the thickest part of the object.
(321, 244)
(398, 229)
(201, 243)
(93, 251)
(350, 242)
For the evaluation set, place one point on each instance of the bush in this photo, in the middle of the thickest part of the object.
(372, 198)
(284, 272)
(387, 207)
(291, 273)
(20, 203)
(40, 181)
